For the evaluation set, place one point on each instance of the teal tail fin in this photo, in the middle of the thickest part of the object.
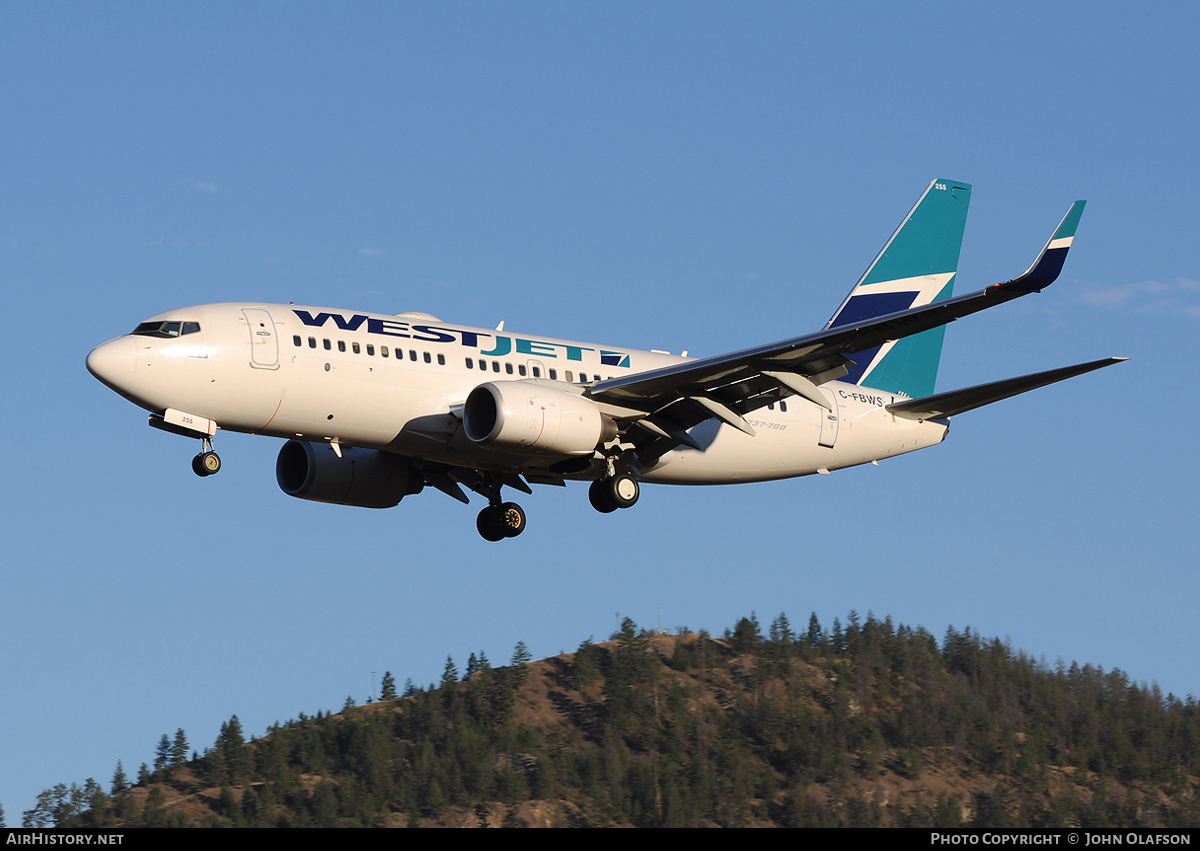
(915, 267)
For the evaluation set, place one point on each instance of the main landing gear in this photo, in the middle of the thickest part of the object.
(207, 463)
(612, 492)
(499, 520)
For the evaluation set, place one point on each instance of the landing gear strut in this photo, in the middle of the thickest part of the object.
(499, 520)
(207, 463)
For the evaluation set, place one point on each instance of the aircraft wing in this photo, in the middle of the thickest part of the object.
(961, 401)
(665, 402)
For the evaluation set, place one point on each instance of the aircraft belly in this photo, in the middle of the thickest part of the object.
(781, 448)
(790, 446)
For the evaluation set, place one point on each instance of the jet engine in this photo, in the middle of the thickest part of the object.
(362, 477)
(527, 417)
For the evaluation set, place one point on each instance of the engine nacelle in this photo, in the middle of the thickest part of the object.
(362, 477)
(534, 418)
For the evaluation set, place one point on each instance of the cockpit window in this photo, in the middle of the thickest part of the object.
(166, 329)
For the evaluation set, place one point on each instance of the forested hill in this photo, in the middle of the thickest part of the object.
(862, 724)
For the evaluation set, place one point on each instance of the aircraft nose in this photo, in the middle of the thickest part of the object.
(113, 363)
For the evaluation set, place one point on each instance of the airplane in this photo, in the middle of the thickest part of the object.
(375, 407)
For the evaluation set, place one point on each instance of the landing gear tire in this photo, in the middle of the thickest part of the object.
(624, 490)
(610, 493)
(206, 464)
(497, 522)
(488, 524)
(599, 497)
(512, 519)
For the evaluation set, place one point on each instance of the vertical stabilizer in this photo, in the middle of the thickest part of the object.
(915, 267)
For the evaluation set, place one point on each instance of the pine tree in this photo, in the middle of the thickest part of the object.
(119, 781)
(519, 670)
(587, 670)
(783, 641)
(449, 673)
(746, 635)
(231, 735)
(162, 753)
(97, 801)
(627, 632)
(42, 814)
(230, 760)
(179, 748)
(815, 633)
(388, 691)
(781, 631)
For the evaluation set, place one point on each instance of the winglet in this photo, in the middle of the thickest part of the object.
(1049, 263)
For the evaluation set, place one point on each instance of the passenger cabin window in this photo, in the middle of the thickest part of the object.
(371, 349)
(520, 369)
(328, 344)
(341, 345)
(355, 347)
(428, 359)
(296, 339)
(508, 368)
(553, 374)
(383, 351)
(470, 364)
(441, 360)
(312, 342)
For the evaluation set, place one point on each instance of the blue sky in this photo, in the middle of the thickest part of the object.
(678, 176)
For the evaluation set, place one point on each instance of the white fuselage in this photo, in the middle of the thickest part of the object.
(397, 383)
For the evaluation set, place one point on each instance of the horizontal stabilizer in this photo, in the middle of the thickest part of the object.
(960, 401)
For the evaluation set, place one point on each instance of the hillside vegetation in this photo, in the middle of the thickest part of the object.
(860, 725)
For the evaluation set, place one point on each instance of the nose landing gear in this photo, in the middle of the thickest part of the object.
(207, 463)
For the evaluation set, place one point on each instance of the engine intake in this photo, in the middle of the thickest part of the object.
(534, 418)
(363, 477)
